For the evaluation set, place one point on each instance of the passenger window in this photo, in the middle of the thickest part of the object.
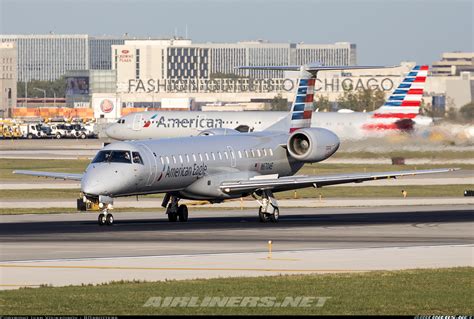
(194, 158)
(180, 159)
(200, 157)
(246, 153)
(174, 159)
(258, 153)
(207, 157)
(240, 154)
(270, 151)
(226, 155)
(162, 161)
(187, 158)
(264, 152)
(137, 159)
(213, 156)
(220, 155)
(252, 152)
(167, 160)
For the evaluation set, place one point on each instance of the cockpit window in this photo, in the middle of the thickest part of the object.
(137, 159)
(113, 157)
(121, 121)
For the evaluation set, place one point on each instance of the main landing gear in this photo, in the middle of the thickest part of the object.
(268, 210)
(175, 211)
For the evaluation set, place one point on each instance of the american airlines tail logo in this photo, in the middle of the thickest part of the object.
(302, 108)
(405, 101)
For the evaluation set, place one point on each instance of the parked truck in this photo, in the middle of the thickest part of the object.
(31, 130)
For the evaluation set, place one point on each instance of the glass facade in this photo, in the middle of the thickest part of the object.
(48, 57)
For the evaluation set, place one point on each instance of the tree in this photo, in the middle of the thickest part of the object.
(279, 103)
(362, 100)
(322, 104)
(57, 87)
(467, 111)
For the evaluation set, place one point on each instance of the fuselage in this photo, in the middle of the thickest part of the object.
(166, 124)
(191, 167)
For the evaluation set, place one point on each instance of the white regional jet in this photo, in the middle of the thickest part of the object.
(220, 166)
(400, 113)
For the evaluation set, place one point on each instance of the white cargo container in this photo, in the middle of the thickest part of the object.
(176, 103)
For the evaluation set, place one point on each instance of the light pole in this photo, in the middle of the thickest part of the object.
(54, 95)
(44, 95)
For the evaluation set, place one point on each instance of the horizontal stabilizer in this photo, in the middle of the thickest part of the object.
(312, 68)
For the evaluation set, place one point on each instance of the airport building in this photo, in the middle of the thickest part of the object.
(48, 57)
(453, 64)
(8, 78)
(182, 59)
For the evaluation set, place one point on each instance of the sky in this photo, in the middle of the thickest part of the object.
(385, 32)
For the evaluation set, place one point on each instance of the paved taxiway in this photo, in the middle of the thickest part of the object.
(72, 249)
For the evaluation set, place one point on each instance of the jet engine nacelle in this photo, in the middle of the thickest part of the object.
(218, 131)
(312, 144)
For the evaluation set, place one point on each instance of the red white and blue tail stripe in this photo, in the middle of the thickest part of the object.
(302, 108)
(404, 102)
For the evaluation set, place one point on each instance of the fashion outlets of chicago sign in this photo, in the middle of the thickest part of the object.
(253, 85)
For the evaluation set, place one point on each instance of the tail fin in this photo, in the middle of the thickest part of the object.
(404, 102)
(302, 107)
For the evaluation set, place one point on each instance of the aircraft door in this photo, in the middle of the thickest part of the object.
(233, 160)
(151, 163)
(137, 120)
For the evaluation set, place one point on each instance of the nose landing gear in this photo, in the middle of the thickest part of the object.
(105, 218)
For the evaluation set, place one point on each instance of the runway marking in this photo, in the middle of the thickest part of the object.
(181, 268)
(285, 259)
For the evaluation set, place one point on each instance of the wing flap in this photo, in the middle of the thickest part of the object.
(65, 176)
(295, 182)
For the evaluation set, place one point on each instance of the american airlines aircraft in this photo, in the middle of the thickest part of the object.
(400, 113)
(222, 166)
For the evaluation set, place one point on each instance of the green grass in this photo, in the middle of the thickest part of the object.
(64, 166)
(409, 292)
(322, 169)
(378, 191)
(441, 155)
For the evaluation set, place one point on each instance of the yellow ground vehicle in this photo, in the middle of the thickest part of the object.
(10, 129)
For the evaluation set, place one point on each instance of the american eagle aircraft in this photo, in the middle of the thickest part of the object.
(226, 165)
(400, 113)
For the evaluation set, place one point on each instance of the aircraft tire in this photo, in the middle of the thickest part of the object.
(109, 220)
(262, 216)
(172, 217)
(183, 213)
(101, 219)
(275, 216)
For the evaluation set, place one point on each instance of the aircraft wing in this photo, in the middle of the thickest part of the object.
(280, 184)
(69, 176)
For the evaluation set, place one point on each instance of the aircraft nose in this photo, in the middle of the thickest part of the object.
(97, 181)
(111, 131)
